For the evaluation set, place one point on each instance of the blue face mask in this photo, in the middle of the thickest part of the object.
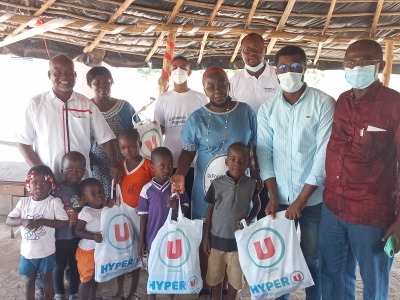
(361, 77)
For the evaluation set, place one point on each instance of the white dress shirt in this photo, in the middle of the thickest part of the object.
(45, 128)
(248, 89)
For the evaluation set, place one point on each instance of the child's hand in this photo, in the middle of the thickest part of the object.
(141, 249)
(98, 238)
(173, 201)
(32, 224)
(240, 225)
(207, 245)
(110, 202)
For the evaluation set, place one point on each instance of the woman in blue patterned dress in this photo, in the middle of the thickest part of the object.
(117, 113)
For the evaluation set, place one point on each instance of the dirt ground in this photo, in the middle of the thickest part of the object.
(11, 283)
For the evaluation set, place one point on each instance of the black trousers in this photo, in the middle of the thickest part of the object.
(264, 198)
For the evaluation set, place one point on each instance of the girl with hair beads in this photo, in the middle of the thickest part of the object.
(38, 216)
(88, 228)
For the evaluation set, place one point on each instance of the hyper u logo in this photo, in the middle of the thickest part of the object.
(119, 232)
(149, 139)
(265, 247)
(296, 277)
(175, 249)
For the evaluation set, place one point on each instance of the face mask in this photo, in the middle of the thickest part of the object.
(179, 75)
(256, 68)
(361, 77)
(291, 82)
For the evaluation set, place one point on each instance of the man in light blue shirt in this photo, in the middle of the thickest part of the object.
(293, 131)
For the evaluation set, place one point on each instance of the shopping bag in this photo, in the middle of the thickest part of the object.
(271, 258)
(117, 253)
(150, 136)
(173, 264)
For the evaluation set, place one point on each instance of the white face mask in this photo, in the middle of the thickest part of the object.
(256, 68)
(361, 77)
(291, 82)
(179, 75)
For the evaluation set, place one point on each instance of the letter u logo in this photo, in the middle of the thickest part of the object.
(270, 249)
(178, 249)
(151, 145)
(118, 236)
(297, 277)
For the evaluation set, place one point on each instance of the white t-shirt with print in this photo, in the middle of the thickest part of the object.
(171, 111)
(92, 217)
(39, 243)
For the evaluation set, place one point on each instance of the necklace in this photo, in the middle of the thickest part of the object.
(225, 130)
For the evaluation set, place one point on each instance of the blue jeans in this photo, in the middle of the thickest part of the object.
(309, 227)
(344, 244)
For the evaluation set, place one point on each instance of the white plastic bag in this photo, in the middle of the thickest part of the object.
(173, 264)
(271, 258)
(150, 135)
(117, 254)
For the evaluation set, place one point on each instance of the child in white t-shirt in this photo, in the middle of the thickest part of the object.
(88, 228)
(38, 217)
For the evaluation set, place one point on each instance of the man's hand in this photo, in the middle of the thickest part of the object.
(255, 173)
(394, 230)
(33, 224)
(177, 184)
(272, 207)
(98, 238)
(116, 173)
(293, 212)
(207, 245)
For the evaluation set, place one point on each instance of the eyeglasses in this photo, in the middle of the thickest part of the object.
(362, 63)
(221, 86)
(295, 67)
(255, 49)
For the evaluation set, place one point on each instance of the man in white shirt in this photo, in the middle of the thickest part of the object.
(174, 107)
(60, 121)
(255, 84)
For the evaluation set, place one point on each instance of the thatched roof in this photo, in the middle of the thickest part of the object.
(207, 31)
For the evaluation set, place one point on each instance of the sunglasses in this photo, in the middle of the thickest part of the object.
(295, 67)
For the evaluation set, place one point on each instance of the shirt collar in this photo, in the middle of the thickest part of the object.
(231, 180)
(264, 73)
(370, 94)
(302, 97)
(54, 96)
(161, 187)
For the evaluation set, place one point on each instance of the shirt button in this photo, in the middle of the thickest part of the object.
(337, 177)
(349, 140)
(340, 157)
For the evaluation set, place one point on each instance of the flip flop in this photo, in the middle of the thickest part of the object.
(205, 292)
(135, 296)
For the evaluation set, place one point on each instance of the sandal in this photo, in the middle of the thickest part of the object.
(135, 296)
(205, 292)
(224, 294)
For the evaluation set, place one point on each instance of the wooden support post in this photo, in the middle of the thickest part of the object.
(388, 58)
(376, 17)
(168, 56)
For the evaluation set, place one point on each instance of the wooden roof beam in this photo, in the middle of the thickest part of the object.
(328, 20)
(376, 17)
(112, 20)
(210, 20)
(282, 22)
(171, 19)
(246, 26)
(38, 13)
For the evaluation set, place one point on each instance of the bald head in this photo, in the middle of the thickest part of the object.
(374, 48)
(60, 58)
(253, 36)
(62, 75)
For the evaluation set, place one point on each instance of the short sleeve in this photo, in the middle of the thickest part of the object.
(84, 215)
(26, 133)
(184, 199)
(188, 134)
(99, 127)
(159, 112)
(17, 211)
(143, 206)
(210, 195)
(59, 212)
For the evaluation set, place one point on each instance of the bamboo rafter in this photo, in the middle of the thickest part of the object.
(210, 21)
(112, 20)
(328, 20)
(246, 26)
(282, 22)
(376, 17)
(171, 19)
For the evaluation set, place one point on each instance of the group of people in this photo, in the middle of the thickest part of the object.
(263, 139)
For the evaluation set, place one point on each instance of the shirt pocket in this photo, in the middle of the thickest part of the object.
(375, 143)
(79, 127)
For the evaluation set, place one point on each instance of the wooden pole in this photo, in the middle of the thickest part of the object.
(168, 56)
(377, 15)
(388, 58)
